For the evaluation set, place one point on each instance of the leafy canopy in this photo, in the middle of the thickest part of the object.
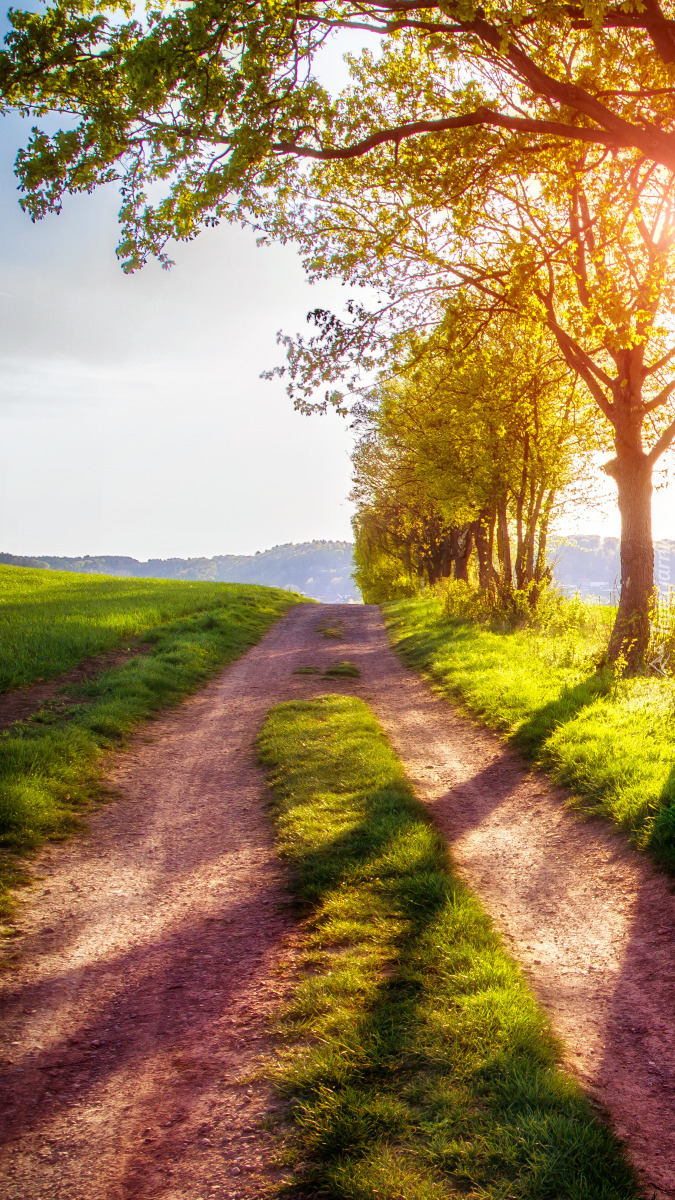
(198, 108)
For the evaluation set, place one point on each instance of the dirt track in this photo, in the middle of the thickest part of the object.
(154, 947)
(20, 703)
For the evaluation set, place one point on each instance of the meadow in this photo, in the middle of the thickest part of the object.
(546, 687)
(51, 765)
(416, 1059)
(51, 620)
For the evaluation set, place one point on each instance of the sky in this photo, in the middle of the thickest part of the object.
(133, 419)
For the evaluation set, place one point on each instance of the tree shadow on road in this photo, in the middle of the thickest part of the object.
(420, 1064)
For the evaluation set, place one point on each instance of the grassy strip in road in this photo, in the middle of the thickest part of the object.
(611, 740)
(418, 1063)
(50, 766)
(51, 620)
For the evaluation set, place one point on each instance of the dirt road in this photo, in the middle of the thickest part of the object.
(154, 947)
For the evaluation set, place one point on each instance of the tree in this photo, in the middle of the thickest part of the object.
(401, 538)
(505, 426)
(491, 427)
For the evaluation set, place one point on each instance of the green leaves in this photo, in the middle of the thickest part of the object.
(482, 417)
(217, 99)
(194, 97)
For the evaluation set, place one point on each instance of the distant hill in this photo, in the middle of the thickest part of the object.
(586, 564)
(591, 566)
(321, 570)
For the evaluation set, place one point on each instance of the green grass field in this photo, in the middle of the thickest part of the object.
(416, 1060)
(50, 765)
(50, 620)
(611, 740)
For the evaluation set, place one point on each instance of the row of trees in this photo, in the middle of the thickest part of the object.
(576, 242)
(522, 155)
(467, 446)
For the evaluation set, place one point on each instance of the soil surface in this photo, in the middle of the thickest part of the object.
(154, 948)
(20, 703)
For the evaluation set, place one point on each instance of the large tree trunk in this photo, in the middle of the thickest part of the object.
(446, 558)
(430, 568)
(464, 548)
(633, 474)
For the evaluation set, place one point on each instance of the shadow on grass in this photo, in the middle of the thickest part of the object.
(418, 651)
(533, 733)
(603, 759)
(424, 1063)
(662, 835)
(418, 647)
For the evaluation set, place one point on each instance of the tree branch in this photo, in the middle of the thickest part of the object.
(666, 440)
(661, 398)
(653, 142)
(661, 362)
(576, 358)
(481, 116)
(581, 273)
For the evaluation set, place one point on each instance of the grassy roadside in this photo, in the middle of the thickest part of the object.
(418, 1063)
(50, 766)
(51, 620)
(611, 740)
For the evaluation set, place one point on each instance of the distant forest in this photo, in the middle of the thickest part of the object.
(321, 570)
